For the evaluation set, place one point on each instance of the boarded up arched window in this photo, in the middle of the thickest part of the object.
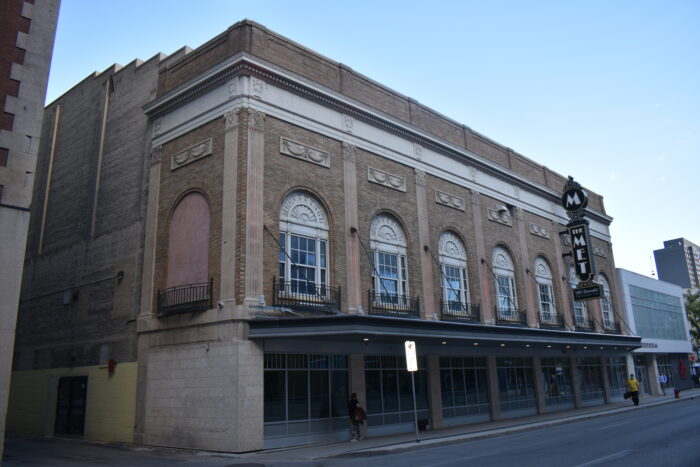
(188, 242)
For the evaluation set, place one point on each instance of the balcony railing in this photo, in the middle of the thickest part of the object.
(306, 297)
(611, 328)
(551, 321)
(399, 306)
(583, 323)
(510, 317)
(185, 299)
(457, 311)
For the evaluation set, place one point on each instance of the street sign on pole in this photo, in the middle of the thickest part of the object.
(411, 360)
(412, 367)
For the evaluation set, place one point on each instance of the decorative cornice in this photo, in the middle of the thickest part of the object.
(232, 88)
(383, 178)
(500, 215)
(348, 123)
(257, 86)
(449, 200)
(418, 151)
(191, 154)
(157, 124)
(539, 230)
(304, 152)
(241, 64)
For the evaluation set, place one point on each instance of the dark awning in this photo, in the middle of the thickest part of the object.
(349, 329)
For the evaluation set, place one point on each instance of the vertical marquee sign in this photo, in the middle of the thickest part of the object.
(575, 200)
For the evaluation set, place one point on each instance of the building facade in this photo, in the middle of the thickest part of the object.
(678, 262)
(656, 311)
(27, 31)
(300, 222)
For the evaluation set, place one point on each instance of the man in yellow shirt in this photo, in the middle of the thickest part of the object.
(633, 389)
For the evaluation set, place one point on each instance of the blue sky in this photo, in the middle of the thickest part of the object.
(606, 91)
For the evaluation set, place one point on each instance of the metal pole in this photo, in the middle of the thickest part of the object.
(415, 408)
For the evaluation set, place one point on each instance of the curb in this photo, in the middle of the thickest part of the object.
(453, 439)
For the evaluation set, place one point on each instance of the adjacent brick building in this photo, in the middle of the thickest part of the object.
(27, 30)
(296, 223)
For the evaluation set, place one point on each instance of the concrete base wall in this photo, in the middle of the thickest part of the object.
(206, 394)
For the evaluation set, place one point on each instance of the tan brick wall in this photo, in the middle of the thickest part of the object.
(204, 176)
(284, 174)
(443, 218)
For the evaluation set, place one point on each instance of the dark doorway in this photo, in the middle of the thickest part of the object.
(70, 407)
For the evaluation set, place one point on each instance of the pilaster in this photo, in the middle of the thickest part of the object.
(494, 397)
(607, 396)
(575, 382)
(485, 277)
(254, 207)
(229, 208)
(434, 391)
(352, 247)
(532, 309)
(561, 276)
(426, 262)
(539, 384)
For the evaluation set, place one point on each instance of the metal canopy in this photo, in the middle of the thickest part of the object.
(351, 328)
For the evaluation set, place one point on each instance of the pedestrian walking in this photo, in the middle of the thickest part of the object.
(633, 389)
(662, 382)
(357, 416)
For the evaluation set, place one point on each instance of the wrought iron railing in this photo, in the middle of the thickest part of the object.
(611, 328)
(583, 323)
(387, 304)
(185, 299)
(551, 321)
(453, 310)
(510, 316)
(306, 296)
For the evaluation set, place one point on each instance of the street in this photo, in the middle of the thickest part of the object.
(665, 435)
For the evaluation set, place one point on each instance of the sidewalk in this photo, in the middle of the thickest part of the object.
(24, 450)
(387, 444)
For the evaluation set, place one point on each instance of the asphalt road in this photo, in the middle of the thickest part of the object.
(664, 436)
(667, 435)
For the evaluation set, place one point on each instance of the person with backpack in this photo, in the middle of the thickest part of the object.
(357, 417)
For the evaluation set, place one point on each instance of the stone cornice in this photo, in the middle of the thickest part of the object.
(244, 64)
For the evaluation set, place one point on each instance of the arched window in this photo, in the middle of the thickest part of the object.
(188, 242)
(453, 261)
(580, 308)
(506, 296)
(545, 292)
(605, 304)
(303, 258)
(388, 245)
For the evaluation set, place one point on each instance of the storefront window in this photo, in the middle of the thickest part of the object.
(464, 386)
(305, 393)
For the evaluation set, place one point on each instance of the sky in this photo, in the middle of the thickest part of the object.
(605, 91)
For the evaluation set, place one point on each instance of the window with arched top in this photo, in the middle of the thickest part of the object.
(504, 272)
(605, 303)
(545, 291)
(303, 256)
(388, 250)
(580, 308)
(188, 242)
(455, 284)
